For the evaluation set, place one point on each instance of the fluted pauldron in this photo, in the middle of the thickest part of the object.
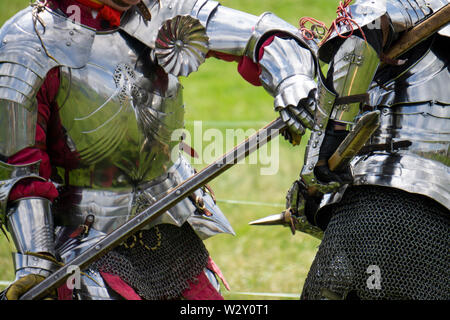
(30, 223)
(10, 175)
(177, 32)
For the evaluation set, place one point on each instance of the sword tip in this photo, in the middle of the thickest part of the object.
(275, 219)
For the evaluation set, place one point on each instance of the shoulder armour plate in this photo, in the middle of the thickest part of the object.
(67, 43)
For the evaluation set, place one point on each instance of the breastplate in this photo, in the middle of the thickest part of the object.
(119, 112)
(415, 112)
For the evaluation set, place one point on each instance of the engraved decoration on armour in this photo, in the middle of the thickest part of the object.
(182, 45)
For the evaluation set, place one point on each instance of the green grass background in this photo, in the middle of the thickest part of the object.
(257, 259)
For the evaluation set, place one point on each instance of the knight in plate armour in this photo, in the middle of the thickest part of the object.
(384, 218)
(89, 98)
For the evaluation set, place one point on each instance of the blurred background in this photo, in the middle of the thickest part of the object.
(259, 262)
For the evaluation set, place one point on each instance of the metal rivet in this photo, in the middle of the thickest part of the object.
(97, 247)
(38, 49)
(179, 44)
(71, 32)
(68, 43)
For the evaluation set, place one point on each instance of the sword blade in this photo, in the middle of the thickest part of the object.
(172, 197)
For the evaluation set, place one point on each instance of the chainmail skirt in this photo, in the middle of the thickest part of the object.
(383, 243)
(157, 263)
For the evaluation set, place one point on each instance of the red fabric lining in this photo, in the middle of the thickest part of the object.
(105, 12)
(120, 286)
(247, 68)
(201, 289)
(30, 187)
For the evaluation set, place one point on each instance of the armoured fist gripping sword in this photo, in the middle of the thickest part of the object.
(171, 198)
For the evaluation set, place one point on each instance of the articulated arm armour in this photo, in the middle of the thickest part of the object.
(24, 63)
(288, 80)
(182, 32)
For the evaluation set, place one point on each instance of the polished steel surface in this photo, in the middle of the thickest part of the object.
(354, 65)
(229, 30)
(412, 11)
(421, 168)
(147, 32)
(325, 103)
(407, 172)
(93, 287)
(403, 15)
(112, 208)
(181, 45)
(25, 264)
(291, 80)
(69, 247)
(120, 111)
(17, 123)
(18, 83)
(9, 176)
(276, 69)
(158, 208)
(30, 223)
(426, 80)
(269, 23)
(414, 108)
(24, 63)
(65, 42)
(445, 31)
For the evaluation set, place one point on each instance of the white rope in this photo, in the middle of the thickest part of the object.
(253, 203)
(5, 283)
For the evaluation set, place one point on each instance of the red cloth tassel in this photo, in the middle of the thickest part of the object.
(105, 12)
